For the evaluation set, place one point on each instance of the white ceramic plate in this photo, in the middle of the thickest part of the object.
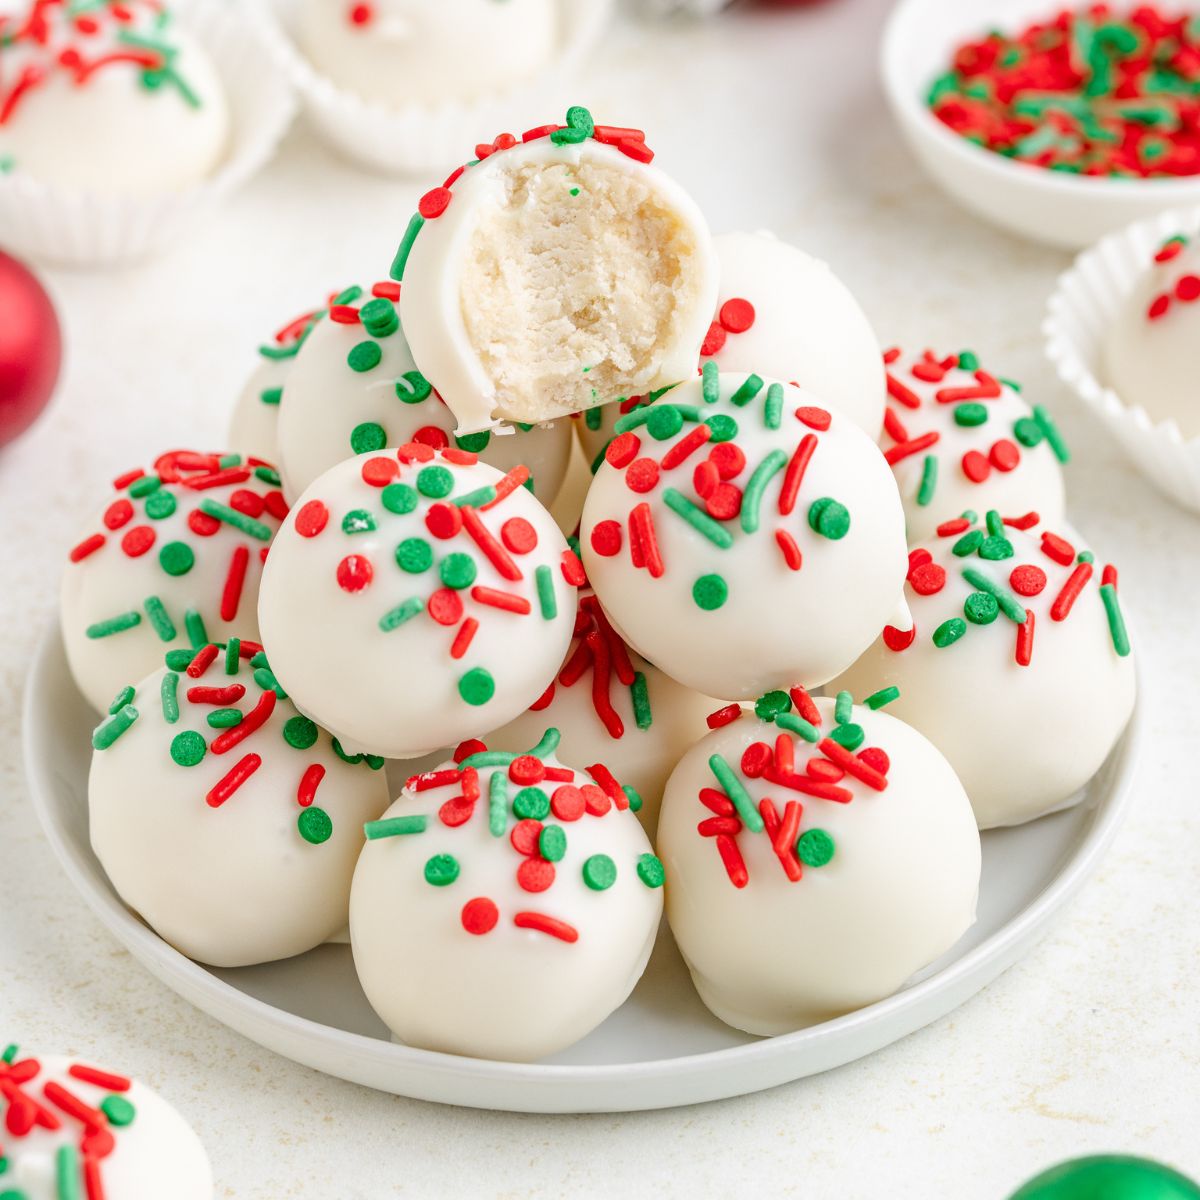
(662, 1048)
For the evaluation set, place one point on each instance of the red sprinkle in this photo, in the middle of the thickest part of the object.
(354, 573)
(434, 203)
(88, 546)
(606, 537)
(237, 775)
(623, 449)
(789, 549)
(731, 859)
(737, 315)
(642, 475)
(544, 924)
(1024, 653)
(898, 639)
(235, 580)
(462, 639)
(480, 915)
(306, 793)
(724, 716)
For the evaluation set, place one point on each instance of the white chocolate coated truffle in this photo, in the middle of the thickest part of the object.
(120, 101)
(742, 537)
(416, 598)
(354, 388)
(612, 706)
(1149, 353)
(503, 908)
(172, 559)
(401, 52)
(1019, 668)
(133, 1146)
(266, 806)
(836, 892)
(554, 275)
(959, 439)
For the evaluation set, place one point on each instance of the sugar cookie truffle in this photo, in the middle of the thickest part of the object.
(108, 97)
(504, 905)
(1018, 667)
(743, 537)
(417, 597)
(816, 858)
(354, 388)
(612, 706)
(958, 438)
(73, 1131)
(402, 52)
(1150, 351)
(172, 559)
(205, 771)
(554, 274)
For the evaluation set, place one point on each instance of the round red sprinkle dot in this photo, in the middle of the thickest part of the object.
(918, 556)
(724, 502)
(445, 606)
(379, 472)
(276, 505)
(622, 450)
(1004, 455)
(642, 475)
(434, 203)
(525, 769)
(1188, 288)
(535, 875)
(606, 538)
(524, 836)
(467, 748)
(354, 573)
(311, 519)
(898, 639)
(595, 799)
(518, 535)
(201, 524)
(361, 14)
(737, 315)
(138, 540)
(1027, 580)
(875, 758)
(975, 467)
(756, 759)
(567, 803)
(704, 478)
(714, 340)
(814, 418)
(432, 435)
(928, 579)
(444, 520)
(728, 458)
(118, 513)
(480, 915)
(245, 501)
(1158, 307)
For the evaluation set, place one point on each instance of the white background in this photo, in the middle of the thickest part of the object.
(772, 119)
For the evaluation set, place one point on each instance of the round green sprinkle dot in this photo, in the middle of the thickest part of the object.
(364, 356)
(1085, 556)
(948, 632)
(188, 748)
(995, 548)
(435, 482)
(399, 498)
(299, 732)
(441, 870)
(970, 414)
(368, 436)
(650, 870)
(414, 555)
(662, 424)
(379, 317)
(552, 843)
(769, 706)
(477, 686)
(119, 1111)
(474, 443)
(850, 736)
(531, 803)
(981, 608)
(724, 427)
(1027, 431)
(457, 571)
(315, 825)
(358, 520)
(710, 592)
(599, 872)
(814, 847)
(159, 505)
(829, 518)
(176, 558)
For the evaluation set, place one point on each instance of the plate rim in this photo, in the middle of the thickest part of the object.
(537, 1086)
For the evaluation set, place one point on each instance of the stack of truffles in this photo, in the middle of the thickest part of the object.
(618, 707)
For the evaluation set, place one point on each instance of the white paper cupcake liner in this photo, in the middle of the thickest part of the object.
(1085, 303)
(424, 139)
(80, 228)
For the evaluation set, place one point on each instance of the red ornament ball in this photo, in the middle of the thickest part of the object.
(30, 348)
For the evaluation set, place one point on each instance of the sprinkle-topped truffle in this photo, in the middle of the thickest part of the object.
(742, 536)
(173, 559)
(533, 899)
(418, 596)
(205, 770)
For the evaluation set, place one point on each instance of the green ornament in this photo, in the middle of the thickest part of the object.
(1109, 1177)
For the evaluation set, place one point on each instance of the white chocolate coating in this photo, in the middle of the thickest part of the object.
(113, 581)
(558, 277)
(511, 993)
(1150, 362)
(387, 680)
(1023, 739)
(900, 889)
(163, 842)
(154, 1155)
(102, 129)
(326, 400)
(1007, 461)
(777, 625)
(402, 52)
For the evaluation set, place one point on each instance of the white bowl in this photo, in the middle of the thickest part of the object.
(1035, 203)
(660, 1048)
(1085, 302)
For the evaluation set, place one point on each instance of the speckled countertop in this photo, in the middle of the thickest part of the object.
(773, 120)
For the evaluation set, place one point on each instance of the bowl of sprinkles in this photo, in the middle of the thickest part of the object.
(1057, 124)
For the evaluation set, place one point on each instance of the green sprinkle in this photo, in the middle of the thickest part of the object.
(397, 616)
(179, 659)
(498, 803)
(118, 624)
(112, 727)
(457, 571)
(769, 705)
(10, 1053)
(188, 748)
(231, 516)
(477, 686)
(574, 191)
(412, 387)
(315, 825)
(414, 555)
(995, 523)
(814, 848)
(169, 696)
(435, 482)
(1027, 431)
(394, 827)
(364, 357)
(981, 608)
(144, 486)
(119, 1111)
(358, 520)
(710, 383)
(379, 317)
(224, 718)
(1050, 430)
(160, 505)
(750, 388)
(487, 758)
(399, 498)
(663, 423)
(473, 443)
(829, 518)
(968, 544)
(441, 870)
(929, 478)
(948, 632)
(476, 499)
(850, 735)
(635, 801)
(546, 747)
(593, 418)
(650, 870)
(599, 872)
(968, 360)
(697, 518)
(177, 558)
(123, 697)
(724, 427)
(970, 415)
(193, 624)
(1116, 621)
(545, 591)
(66, 1171)
(797, 724)
(233, 656)
(773, 406)
(531, 804)
(732, 786)
(405, 248)
(639, 693)
(710, 592)
(368, 436)
(299, 732)
(843, 707)
(1009, 605)
(578, 117)
(271, 395)
(763, 474)
(552, 843)
(882, 698)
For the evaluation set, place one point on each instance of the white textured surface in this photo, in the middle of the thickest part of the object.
(1088, 1044)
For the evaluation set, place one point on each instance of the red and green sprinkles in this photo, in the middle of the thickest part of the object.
(1185, 289)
